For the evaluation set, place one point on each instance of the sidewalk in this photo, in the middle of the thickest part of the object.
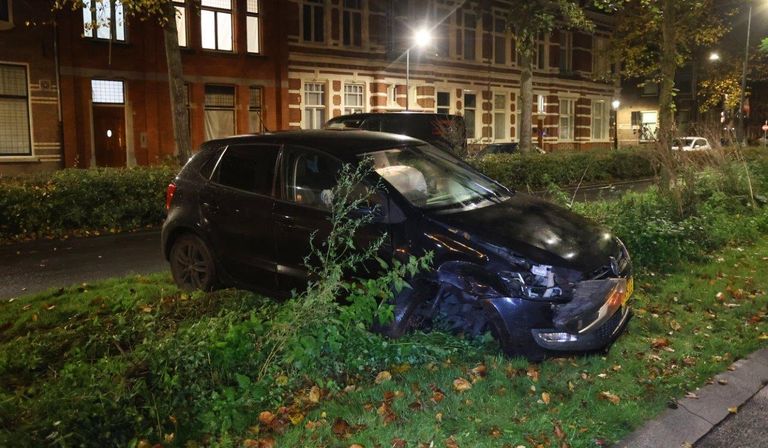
(709, 420)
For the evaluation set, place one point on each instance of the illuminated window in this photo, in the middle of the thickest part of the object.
(107, 92)
(103, 19)
(500, 116)
(15, 139)
(181, 21)
(566, 119)
(216, 24)
(354, 99)
(253, 26)
(219, 111)
(314, 101)
(470, 114)
(599, 120)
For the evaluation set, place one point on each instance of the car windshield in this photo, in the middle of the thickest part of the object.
(684, 142)
(432, 179)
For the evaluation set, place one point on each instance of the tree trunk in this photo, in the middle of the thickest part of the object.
(178, 93)
(668, 65)
(526, 104)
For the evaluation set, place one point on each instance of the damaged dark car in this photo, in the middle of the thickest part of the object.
(543, 280)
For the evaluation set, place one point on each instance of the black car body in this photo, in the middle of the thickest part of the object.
(540, 278)
(444, 131)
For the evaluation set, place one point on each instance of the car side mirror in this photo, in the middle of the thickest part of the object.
(374, 212)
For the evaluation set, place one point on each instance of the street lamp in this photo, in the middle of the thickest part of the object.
(421, 39)
(741, 129)
(616, 104)
(714, 56)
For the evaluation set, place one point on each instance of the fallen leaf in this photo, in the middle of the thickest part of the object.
(461, 385)
(383, 377)
(692, 396)
(495, 432)
(341, 428)
(545, 397)
(722, 382)
(674, 325)
(733, 410)
(613, 398)
(398, 443)
(533, 373)
(478, 372)
(660, 343)
(296, 418)
(439, 417)
(314, 394)
(450, 442)
(266, 417)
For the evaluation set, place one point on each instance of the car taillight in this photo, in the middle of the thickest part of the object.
(169, 195)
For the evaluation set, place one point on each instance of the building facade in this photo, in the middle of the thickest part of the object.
(97, 82)
(348, 56)
(89, 87)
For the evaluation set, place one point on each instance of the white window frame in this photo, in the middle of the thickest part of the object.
(472, 134)
(502, 112)
(566, 120)
(182, 23)
(600, 121)
(92, 9)
(348, 29)
(496, 36)
(8, 24)
(31, 151)
(442, 109)
(218, 13)
(253, 26)
(313, 109)
(356, 90)
(312, 5)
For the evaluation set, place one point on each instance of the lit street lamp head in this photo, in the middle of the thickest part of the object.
(714, 56)
(422, 37)
(616, 104)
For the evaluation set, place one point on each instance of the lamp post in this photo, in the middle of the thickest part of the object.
(421, 38)
(742, 129)
(616, 104)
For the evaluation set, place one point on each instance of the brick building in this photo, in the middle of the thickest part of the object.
(110, 76)
(349, 56)
(93, 83)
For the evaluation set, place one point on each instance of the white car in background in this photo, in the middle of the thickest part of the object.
(691, 144)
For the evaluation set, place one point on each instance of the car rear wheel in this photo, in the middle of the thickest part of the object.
(192, 264)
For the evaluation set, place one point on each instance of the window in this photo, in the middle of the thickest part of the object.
(313, 20)
(443, 102)
(248, 168)
(219, 111)
(107, 92)
(181, 21)
(566, 51)
(252, 26)
(310, 178)
(354, 102)
(500, 41)
(314, 105)
(392, 94)
(353, 23)
(566, 120)
(5, 13)
(216, 24)
(103, 19)
(650, 89)
(470, 113)
(443, 32)
(539, 54)
(255, 117)
(601, 64)
(466, 24)
(599, 120)
(648, 125)
(500, 116)
(14, 111)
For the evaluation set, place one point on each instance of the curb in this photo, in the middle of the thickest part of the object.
(695, 417)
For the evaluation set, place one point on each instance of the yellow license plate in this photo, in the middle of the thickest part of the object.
(630, 289)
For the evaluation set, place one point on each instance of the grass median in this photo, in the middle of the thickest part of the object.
(92, 363)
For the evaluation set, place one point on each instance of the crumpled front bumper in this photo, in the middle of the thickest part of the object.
(595, 339)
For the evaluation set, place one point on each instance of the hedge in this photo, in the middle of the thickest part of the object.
(537, 171)
(78, 200)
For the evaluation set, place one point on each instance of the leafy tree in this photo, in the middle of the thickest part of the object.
(529, 19)
(653, 38)
(162, 12)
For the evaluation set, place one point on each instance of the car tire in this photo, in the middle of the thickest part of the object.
(518, 343)
(406, 304)
(192, 264)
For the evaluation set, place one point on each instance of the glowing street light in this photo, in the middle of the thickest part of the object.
(616, 104)
(714, 56)
(422, 38)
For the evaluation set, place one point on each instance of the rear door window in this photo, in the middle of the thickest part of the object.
(248, 168)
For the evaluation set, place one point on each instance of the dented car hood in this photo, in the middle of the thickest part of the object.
(532, 228)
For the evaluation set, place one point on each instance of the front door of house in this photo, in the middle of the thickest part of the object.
(109, 135)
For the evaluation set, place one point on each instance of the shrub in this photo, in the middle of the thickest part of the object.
(99, 199)
(536, 171)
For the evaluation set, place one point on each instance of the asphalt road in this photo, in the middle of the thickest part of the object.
(746, 429)
(31, 267)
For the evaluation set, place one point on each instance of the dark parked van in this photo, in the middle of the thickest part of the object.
(444, 131)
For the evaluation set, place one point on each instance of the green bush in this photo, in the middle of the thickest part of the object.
(537, 171)
(99, 199)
